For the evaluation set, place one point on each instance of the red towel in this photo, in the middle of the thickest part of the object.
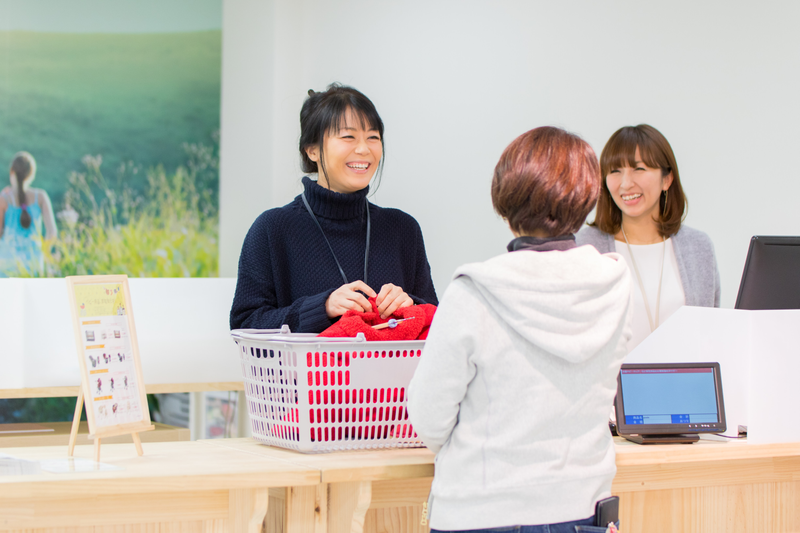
(353, 322)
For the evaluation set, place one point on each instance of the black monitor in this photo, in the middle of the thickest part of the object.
(669, 402)
(771, 277)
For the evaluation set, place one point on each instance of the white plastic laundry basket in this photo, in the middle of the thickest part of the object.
(315, 394)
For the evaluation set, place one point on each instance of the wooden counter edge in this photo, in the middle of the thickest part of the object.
(338, 474)
(642, 455)
(54, 488)
(377, 473)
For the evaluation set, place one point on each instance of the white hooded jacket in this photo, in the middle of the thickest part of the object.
(515, 384)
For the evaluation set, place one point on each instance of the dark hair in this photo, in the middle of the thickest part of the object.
(326, 112)
(23, 166)
(547, 179)
(655, 151)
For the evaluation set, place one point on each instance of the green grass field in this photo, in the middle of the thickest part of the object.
(127, 97)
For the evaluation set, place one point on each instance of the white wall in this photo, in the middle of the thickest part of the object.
(455, 82)
(248, 53)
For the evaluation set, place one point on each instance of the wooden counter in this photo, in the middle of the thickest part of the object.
(208, 486)
(710, 486)
(186, 486)
(370, 490)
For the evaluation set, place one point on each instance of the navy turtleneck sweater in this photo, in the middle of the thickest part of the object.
(287, 272)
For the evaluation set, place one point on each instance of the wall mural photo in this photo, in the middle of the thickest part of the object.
(109, 137)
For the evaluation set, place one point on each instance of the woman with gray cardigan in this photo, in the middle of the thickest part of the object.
(639, 215)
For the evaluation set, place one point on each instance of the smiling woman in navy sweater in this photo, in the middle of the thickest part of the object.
(307, 263)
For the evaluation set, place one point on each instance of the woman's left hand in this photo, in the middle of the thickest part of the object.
(390, 299)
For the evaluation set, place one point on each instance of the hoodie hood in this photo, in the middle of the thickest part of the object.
(565, 302)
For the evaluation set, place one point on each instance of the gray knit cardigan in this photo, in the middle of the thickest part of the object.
(694, 252)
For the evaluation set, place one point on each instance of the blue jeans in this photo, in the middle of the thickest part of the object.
(577, 526)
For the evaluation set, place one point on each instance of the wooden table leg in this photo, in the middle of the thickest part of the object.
(247, 509)
(347, 506)
(76, 422)
(307, 509)
(138, 443)
(396, 506)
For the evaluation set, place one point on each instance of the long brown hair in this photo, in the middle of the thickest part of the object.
(655, 152)
(23, 166)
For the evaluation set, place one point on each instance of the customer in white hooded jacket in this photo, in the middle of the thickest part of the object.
(515, 382)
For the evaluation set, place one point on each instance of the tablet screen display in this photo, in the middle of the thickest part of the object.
(670, 398)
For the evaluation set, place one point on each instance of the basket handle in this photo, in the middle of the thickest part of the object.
(257, 333)
(302, 338)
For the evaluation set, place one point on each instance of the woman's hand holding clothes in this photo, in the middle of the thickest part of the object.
(390, 299)
(349, 297)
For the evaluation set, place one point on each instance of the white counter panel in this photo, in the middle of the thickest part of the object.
(182, 326)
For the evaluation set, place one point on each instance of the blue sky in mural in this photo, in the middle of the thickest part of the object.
(111, 16)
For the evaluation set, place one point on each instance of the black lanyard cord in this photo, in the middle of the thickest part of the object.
(366, 253)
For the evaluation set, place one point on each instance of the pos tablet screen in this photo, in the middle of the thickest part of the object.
(669, 402)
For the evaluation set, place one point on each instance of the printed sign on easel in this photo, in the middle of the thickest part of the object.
(108, 353)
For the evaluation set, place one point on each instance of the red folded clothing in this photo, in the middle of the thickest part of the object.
(353, 322)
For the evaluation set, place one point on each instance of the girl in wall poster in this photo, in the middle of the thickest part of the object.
(26, 219)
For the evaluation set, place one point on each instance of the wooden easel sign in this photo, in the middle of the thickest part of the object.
(108, 354)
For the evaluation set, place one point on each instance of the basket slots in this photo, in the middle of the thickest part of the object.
(314, 396)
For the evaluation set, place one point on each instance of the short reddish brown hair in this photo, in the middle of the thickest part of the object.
(655, 152)
(547, 179)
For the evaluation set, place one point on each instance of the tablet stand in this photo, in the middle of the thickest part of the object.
(662, 439)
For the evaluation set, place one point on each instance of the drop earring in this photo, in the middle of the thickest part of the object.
(666, 197)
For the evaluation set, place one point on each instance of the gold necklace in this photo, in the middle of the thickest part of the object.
(653, 325)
